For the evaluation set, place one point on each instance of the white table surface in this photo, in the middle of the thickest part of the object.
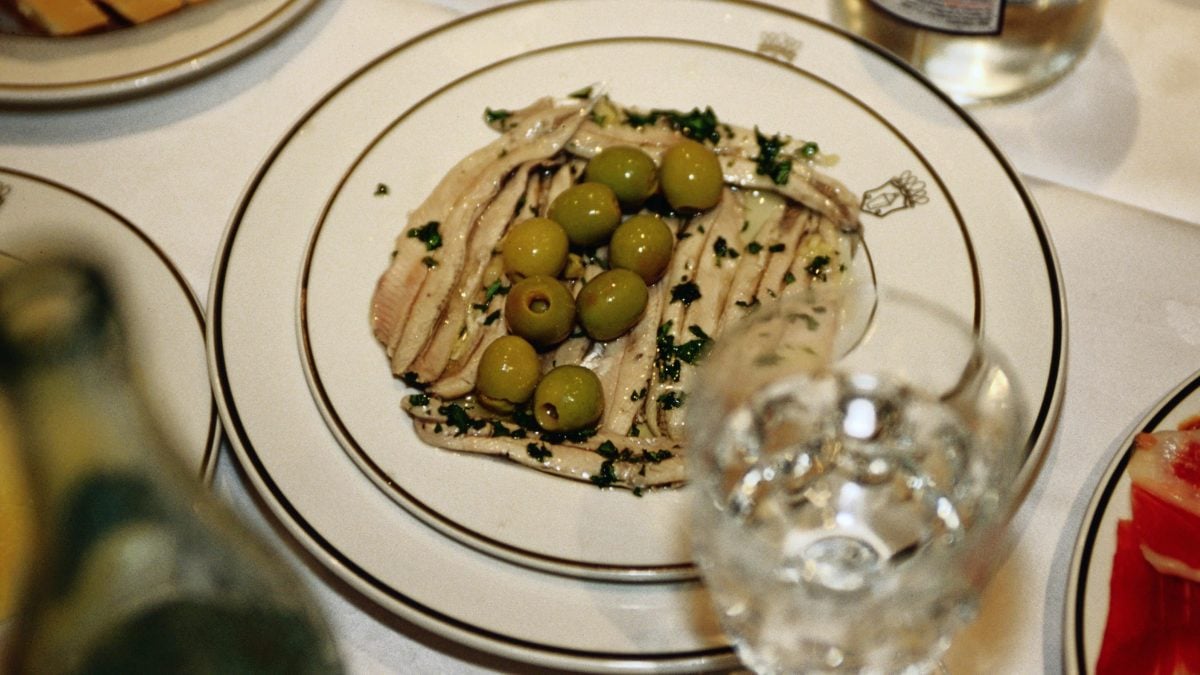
(1109, 155)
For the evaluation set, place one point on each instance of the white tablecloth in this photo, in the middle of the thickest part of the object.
(1108, 153)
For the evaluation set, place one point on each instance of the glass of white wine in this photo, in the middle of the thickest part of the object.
(850, 500)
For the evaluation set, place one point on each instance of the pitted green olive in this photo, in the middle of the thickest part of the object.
(541, 310)
(568, 398)
(611, 304)
(508, 373)
(589, 212)
(629, 171)
(691, 176)
(537, 246)
(642, 244)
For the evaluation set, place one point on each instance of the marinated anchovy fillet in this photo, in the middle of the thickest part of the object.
(778, 227)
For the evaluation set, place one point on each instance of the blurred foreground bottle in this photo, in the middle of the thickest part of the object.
(139, 569)
(980, 50)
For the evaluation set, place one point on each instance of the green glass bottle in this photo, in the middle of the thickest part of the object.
(139, 569)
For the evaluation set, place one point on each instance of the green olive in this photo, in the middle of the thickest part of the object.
(691, 176)
(508, 373)
(611, 304)
(541, 310)
(568, 398)
(642, 244)
(537, 246)
(589, 212)
(630, 173)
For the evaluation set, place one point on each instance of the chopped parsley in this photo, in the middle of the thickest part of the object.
(495, 288)
(809, 150)
(381, 189)
(585, 92)
(672, 400)
(559, 437)
(669, 355)
(418, 399)
(410, 378)
(638, 395)
(819, 268)
(498, 118)
(607, 476)
(789, 279)
(539, 452)
(686, 292)
(777, 248)
(722, 249)
(457, 417)
(430, 261)
(754, 247)
(697, 125)
(770, 161)
(690, 351)
(607, 450)
(427, 234)
(491, 318)
(501, 431)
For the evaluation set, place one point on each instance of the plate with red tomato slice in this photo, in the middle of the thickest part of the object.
(1133, 597)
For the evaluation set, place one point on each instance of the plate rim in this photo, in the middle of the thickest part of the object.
(138, 79)
(1042, 427)
(215, 434)
(1075, 657)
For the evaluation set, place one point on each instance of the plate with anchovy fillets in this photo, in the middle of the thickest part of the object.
(363, 282)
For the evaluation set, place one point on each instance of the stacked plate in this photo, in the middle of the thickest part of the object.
(508, 560)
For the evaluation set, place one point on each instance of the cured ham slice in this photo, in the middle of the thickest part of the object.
(1165, 470)
(1153, 623)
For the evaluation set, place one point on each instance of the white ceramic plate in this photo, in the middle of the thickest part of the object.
(491, 553)
(164, 323)
(37, 70)
(1091, 565)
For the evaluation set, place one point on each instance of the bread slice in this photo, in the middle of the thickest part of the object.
(63, 17)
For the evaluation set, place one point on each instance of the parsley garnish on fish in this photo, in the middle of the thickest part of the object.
(607, 476)
(501, 431)
(770, 161)
(671, 400)
(430, 261)
(809, 150)
(418, 399)
(754, 247)
(722, 249)
(457, 417)
(607, 449)
(789, 279)
(669, 356)
(819, 268)
(410, 378)
(539, 452)
(697, 125)
(686, 292)
(427, 234)
(498, 118)
(495, 288)
(585, 92)
(491, 318)
(380, 190)
(777, 248)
